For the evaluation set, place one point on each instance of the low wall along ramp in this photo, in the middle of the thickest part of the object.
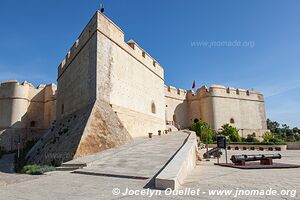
(173, 175)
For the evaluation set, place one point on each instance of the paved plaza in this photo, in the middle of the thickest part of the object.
(205, 177)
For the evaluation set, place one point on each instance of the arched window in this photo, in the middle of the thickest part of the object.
(232, 121)
(153, 108)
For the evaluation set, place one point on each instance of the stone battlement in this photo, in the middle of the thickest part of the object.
(225, 92)
(146, 58)
(25, 83)
(213, 91)
(83, 38)
(105, 26)
(26, 90)
(176, 93)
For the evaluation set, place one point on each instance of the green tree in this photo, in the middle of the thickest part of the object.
(283, 132)
(296, 130)
(273, 126)
(268, 136)
(288, 132)
(202, 129)
(251, 138)
(230, 132)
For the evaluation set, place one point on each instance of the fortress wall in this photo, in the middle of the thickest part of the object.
(194, 106)
(13, 104)
(176, 106)
(221, 91)
(207, 108)
(76, 74)
(5, 113)
(247, 115)
(217, 105)
(129, 80)
(246, 108)
(126, 76)
(20, 104)
(35, 110)
(23, 103)
(200, 107)
(80, 43)
(36, 94)
(86, 122)
(50, 104)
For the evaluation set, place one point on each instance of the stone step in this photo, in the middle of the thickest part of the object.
(79, 165)
(66, 168)
(70, 167)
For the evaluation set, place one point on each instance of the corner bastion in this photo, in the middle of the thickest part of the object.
(217, 105)
(26, 112)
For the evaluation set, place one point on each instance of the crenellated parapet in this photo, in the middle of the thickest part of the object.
(24, 105)
(84, 37)
(12, 89)
(175, 93)
(50, 92)
(145, 58)
(200, 92)
(103, 25)
(225, 92)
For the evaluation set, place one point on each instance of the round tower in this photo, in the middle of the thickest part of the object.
(13, 104)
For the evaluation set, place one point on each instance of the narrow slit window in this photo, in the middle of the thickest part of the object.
(153, 108)
(32, 124)
(62, 109)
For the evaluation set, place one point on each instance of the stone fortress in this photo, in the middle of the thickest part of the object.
(108, 92)
(217, 105)
(26, 112)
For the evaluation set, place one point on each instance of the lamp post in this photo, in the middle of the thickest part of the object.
(242, 133)
(206, 130)
(19, 144)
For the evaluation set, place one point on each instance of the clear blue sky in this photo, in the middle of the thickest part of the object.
(35, 35)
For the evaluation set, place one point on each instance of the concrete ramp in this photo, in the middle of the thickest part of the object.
(141, 160)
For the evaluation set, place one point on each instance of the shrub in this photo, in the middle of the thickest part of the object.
(297, 137)
(202, 129)
(267, 137)
(270, 138)
(37, 169)
(277, 141)
(21, 161)
(291, 138)
(231, 133)
(251, 138)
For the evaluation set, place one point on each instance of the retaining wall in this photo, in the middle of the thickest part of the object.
(173, 175)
